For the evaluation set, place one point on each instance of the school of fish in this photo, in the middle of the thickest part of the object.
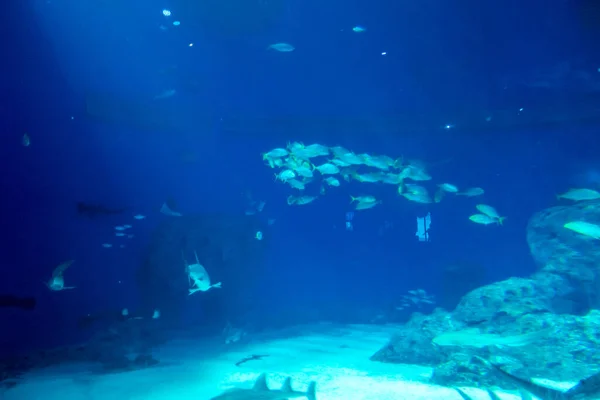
(306, 167)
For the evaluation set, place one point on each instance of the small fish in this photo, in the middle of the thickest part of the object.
(295, 184)
(127, 226)
(358, 29)
(106, 245)
(285, 175)
(139, 217)
(371, 177)
(328, 169)
(579, 195)
(417, 190)
(483, 219)
(415, 173)
(363, 199)
(282, 47)
(26, 140)
(448, 187)
(258, 235)
(471, 192)
(304, 171)
(261, 391)
(275, 153)
(119, 234)
(130, 236)
(300, 200)
(331, 181)
(584, 228)
(422, 198)
(119, 228)
(490, 212)
(366, 206)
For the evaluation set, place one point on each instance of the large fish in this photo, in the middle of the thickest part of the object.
(261, 391)
(474, 338)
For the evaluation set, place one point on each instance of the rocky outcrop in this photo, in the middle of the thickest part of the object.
(560, 251)
(561, 299)
(412, 343)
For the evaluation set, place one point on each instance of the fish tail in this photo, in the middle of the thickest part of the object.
(352, 199)
(501, 220)
(311, 392)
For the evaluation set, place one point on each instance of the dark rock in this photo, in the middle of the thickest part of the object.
(573, 256)
(503, 303)
(412, 343)
(557, 301)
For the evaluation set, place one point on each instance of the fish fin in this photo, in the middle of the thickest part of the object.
(184, 260)
(196, 255)
(62, 268)
(492, 395)
(501, 220)
(287, 385)
(525, 395)
(463, 394)
(217, 285)
(261, 383)
(311, 391)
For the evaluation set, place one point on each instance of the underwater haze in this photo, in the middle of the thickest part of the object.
(273, 199)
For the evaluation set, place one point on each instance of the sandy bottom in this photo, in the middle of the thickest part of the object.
(336, 357)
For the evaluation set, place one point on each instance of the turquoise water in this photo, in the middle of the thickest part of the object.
(391, 200)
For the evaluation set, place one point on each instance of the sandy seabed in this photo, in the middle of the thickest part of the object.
(335, 356)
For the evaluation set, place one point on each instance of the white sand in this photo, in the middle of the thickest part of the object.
(336, 357)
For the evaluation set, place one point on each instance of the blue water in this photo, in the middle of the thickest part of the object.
(443, 62)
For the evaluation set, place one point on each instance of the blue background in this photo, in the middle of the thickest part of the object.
(442, 59)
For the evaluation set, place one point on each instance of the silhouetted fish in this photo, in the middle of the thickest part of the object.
(94, 210)
(25, 303)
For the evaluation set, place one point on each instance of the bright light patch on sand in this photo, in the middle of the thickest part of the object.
(336, 357)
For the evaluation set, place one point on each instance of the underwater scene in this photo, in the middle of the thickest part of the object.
(300, 199)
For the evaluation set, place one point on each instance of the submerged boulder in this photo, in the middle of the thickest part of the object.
(560, 301)
(560, 250)
(570, 255)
